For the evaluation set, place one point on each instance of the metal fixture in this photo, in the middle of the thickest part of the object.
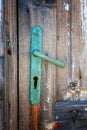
(59, 63)
(36, 61)
(71, 114)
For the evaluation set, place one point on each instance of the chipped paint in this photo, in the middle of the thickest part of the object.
(48, 100)
(45, 108)
(75, 95)
(66, 6)
(83, 4)
(80, 93)
(68, 39)
(83, 58)
(48, 125)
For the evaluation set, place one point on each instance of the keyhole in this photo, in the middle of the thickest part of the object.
(9, 52)
(35, 82)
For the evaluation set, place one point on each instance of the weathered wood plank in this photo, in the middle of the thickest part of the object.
(71, 46)
(63, 40)
(76, 52)
(46, 18)
(83, 55)
(79, 49)
(64, 37)
(1, 70)
(24, 65)
(10, 39)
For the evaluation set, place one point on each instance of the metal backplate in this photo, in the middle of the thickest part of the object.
(35, 77)
(72, 115)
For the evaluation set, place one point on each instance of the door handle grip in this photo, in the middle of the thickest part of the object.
(57, 62)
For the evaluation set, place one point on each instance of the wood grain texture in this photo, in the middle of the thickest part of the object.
(10, 39)
(46, 18)
(77, 68)
(64, 37)
(62, 48)
(71, 46)
(79, 49)
(24, 65)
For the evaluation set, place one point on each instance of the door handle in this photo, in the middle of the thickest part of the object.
(57, 62)
(36, 71)
(36, 64)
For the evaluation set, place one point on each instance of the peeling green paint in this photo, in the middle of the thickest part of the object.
(35, 77)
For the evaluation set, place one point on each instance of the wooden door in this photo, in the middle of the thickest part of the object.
(64, 37)
(31, 15)
(64, 25)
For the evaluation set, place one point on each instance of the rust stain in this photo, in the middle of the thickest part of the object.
(53, 125)
(0, 100)
(67, 16)
(35, 109)
(68, 29)
(6, 13)
(57, 125)
(75, 95)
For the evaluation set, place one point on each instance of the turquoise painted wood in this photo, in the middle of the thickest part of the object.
(35, 70)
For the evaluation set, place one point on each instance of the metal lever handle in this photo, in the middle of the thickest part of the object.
(57, 62)
(36, 64)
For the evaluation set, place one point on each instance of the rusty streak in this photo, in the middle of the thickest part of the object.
(35, 109)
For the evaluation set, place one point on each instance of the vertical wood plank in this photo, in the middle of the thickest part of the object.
(79, 49)
(63, 40)
(56, 43)
(10, 24)
(70, 46)
(24, 64)
(1, 69)
(46, 18)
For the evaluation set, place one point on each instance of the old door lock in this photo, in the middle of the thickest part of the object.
(36, 62)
